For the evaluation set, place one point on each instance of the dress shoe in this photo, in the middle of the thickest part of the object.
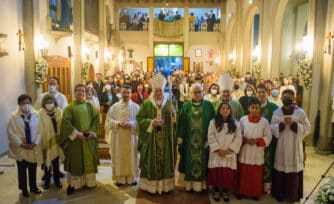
(118, 184)
(25, 194)
(216, 196)
(70, 190)
(36, 191)
(134, 183)
(226, 198)
(61, 174)
(46, 186)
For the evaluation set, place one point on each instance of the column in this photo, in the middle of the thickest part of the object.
(102, 35)
(78, 24)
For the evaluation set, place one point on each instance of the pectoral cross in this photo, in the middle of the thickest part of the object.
(329, 45)
(20, 35)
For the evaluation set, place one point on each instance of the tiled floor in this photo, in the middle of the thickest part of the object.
(106, 192)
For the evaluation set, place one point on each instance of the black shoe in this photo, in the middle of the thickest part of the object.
(70, 190)
(58, 184)
(36, 191)
(46, 186)
(239, 197)
(216, 196)
(118, 184)
(226, 198)
(61, 174)
(25, 194)
(256, 198)
(134, 183)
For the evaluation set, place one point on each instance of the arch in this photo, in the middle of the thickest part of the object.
(247, 38)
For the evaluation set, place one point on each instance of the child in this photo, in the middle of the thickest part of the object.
(256, 136)
(24, 137)
(224, 137)
(50, 118)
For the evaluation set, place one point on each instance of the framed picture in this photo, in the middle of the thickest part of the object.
(198, 53)
(3, 45)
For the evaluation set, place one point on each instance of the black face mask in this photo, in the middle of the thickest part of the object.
(287, 102)
(236, 86)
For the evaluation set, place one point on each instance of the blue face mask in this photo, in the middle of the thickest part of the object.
(274, 92)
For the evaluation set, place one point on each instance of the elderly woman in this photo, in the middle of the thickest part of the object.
(91, 98)
(50, 118)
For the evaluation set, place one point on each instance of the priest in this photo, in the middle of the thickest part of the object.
(79, 141)
(193, 141)
(157, 140)
(122, 125)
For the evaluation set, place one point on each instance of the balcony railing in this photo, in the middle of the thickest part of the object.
(172, 29)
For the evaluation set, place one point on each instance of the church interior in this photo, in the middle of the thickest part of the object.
(79, 38)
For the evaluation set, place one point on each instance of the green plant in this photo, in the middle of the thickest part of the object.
(41, 71)
(325, 193)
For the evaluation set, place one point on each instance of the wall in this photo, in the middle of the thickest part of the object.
(11, 66)
(288, 41)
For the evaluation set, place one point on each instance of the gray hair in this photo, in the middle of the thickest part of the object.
(196, 85)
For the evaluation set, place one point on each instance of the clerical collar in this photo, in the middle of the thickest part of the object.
(225, 100)
(196, 102)
(264, 104)
(253, 118)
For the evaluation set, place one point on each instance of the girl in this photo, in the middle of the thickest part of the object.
(224, 137)
(256, 136)
(50, 117)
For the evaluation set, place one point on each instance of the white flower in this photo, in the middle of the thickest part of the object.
(84, 70)
(41, 71)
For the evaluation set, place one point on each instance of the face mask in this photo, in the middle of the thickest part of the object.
(52, 89)
(274, 83)
(274, 92)
(49, 106)
(249, 93)
(236, 86)
(214, 91)
(287, 102)
(25, 107)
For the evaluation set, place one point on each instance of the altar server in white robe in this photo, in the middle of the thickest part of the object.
(122, 125)
(289, 125)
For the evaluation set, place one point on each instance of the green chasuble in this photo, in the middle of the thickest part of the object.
(81, 157)
(269, 152)
(156, 148)
(237, 109)
(193, 129)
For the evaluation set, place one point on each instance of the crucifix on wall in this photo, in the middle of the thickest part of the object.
(130, 51)
(328, 45)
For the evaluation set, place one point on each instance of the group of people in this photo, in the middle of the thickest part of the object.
(247, 147)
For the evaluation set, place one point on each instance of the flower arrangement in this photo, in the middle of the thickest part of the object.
(41, 71)
(325, 193)
(256, 71)
(106, 69)
(233, 71)
(305, 73)
(85, 70)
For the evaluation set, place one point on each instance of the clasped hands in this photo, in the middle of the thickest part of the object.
(158, 122)
(250, 141)
(28, 146)
(225, 152)
(89, 135)
(124, 125)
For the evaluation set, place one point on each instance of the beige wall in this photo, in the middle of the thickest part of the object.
(12, 80)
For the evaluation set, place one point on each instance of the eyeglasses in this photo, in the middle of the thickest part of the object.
(197, 92)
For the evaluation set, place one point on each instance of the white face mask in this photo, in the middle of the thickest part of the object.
(25, 107)
(89, 93)
(49, 106)
(213, 91)
(249, 93)
(52, 89)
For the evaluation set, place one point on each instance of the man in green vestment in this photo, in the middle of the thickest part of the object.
(226, 84)
(267, 111)
(157, 140)
(192, 139)
(79, 142)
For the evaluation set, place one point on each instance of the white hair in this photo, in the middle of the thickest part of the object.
(196, 85)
